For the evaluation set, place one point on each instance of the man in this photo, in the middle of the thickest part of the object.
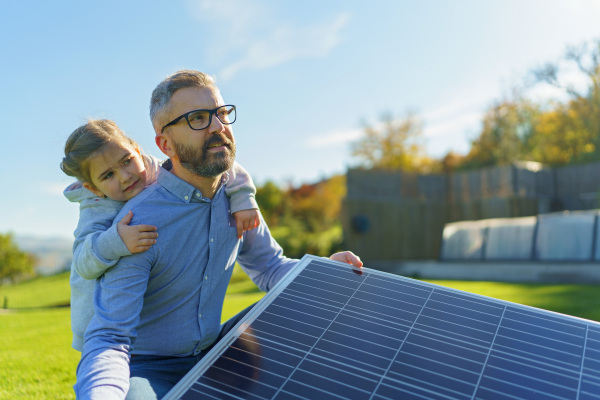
(158, 312)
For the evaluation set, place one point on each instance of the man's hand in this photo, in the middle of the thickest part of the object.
(347, 257)
(137, 238)
(246, 220)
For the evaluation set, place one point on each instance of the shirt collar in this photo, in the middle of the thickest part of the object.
(180, 188)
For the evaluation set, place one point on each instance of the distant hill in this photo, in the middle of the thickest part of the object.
(54, 254)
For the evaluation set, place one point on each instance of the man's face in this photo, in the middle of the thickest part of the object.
(207, 152)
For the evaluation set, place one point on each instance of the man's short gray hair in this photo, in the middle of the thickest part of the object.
(160, 101)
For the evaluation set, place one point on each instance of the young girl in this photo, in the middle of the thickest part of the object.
(110, 171)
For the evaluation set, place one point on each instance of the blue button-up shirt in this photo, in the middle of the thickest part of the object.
(168, 300)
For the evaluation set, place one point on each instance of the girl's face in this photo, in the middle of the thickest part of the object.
(117, 172)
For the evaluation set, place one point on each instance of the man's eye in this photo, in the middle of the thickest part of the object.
(127, 161)
(198, 117)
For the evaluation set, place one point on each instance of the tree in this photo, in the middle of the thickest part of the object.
(395, 144)
(506, 127)
(560, 137)
(319, 205)
(272, 202)
(305, 219)
(14, 263)
(578, 120)
(451, 161)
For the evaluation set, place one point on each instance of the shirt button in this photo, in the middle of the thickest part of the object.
(205, 278)
(186, 197)
(212, 240)
(197, 194)
(199, 316)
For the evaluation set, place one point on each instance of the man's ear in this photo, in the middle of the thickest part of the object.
(163, 141)
(93, 189)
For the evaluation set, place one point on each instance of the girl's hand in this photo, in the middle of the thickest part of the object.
(246, 220)
(137, 238)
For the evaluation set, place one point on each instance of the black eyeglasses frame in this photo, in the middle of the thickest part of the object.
(210, 114)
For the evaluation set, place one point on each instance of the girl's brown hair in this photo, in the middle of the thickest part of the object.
(87, 140)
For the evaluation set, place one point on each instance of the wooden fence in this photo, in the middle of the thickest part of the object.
(391, 215)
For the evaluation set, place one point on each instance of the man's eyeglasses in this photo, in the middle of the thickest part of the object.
(201, 119)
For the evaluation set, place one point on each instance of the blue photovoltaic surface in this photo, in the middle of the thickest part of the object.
(328, 332)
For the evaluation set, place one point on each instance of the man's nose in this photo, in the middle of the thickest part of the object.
(216, 126)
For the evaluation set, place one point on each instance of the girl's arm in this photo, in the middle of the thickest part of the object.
(97, 245)
(241, 190)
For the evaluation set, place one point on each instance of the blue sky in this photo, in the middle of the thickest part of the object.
(303, 74)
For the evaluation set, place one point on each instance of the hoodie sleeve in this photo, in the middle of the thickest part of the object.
(97, 245)
(240, 189)
(152, 165)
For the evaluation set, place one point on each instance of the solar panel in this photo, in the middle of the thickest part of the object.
(328, 331)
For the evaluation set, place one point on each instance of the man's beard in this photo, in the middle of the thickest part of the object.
(203, 163)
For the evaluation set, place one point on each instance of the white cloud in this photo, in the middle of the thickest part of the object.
(579, 6)
(459, 116)
(446, 128)
(334, 138)
(286, 43)
(457, 123)
(450, 110)
(448, 121)
(237, 15)
(260, 41)
(53, 188)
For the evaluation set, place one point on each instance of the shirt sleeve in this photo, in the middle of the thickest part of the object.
(262, 258)
(240, 189)
(97, 244)
(103, 371)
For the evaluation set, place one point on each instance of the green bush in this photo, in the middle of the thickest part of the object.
(297, 241)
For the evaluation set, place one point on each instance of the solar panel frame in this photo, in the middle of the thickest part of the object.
(457, 342)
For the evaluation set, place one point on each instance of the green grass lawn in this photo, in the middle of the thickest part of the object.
(579, 300)
(36, 358)
(39, 292)
(37, 361)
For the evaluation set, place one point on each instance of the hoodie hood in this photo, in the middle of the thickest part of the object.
(76, 193)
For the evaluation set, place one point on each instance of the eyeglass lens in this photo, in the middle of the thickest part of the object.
(201, 119)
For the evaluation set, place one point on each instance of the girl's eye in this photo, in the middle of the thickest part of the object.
(108, 176)
(126, 161)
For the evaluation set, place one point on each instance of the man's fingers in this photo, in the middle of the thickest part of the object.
(353, 259)
(347, 257)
